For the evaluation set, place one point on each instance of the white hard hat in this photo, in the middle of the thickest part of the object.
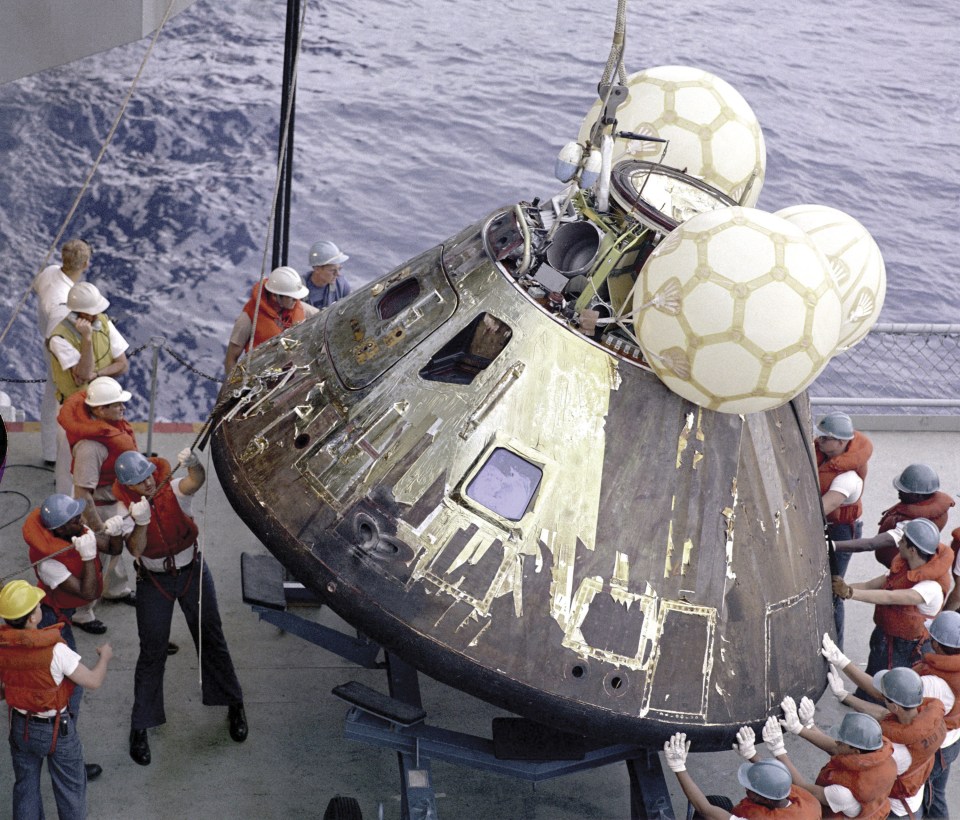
(326, 253)
(85, 298)
(104, 390)
(285, 281)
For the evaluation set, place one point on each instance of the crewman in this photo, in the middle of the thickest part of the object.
(280, 308)
(906, 599)
(84, 345)
(163, 543)
(857, 780)
(953, 599)
(97, 433)
(38, 672)
(842, 456)
(770, 793)
(939, 673)
(919, 489)
(326, 283)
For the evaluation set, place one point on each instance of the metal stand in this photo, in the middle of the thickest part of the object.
(398, 721)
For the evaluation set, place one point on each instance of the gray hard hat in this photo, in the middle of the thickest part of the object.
(57, 509)
(860, 731)
(326, 253)
(836, 425)
(901, 686)
(923, 534)
(133, 467)
(945, 629)
(768, 778)
(921, 479)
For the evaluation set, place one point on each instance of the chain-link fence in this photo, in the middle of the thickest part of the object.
(897, 368)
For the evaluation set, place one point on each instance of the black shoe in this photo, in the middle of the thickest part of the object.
(139, 747)
(130, 599)
(94, 627)
(93, 770)
(238, 722)
(48, 463)
(172, 648)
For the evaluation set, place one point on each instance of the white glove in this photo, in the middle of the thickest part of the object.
(773, 736)
(745, 745)
(86, 545)
(140, 512)
(791, 720)
(187, 458)
(836, 684)
(113, 526)
(806, 712)
(833, 654)
(675, 751)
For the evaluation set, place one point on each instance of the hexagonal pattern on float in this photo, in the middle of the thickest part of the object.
(750, 334)
(712, 131)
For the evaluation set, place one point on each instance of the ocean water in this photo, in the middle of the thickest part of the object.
(416, 117)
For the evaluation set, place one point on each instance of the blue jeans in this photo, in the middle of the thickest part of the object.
(935, 798)
(842, 532)
(29, 745)
(156, 593)
(49, 619)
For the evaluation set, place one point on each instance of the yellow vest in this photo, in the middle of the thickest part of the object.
(63, 379)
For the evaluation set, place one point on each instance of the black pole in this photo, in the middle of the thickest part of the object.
(281, 217)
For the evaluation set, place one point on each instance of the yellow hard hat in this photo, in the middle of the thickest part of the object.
(19, 598)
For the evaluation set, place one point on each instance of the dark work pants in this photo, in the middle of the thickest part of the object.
(842, 532)
(154, 614)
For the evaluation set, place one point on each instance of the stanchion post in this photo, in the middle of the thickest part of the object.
(156, 342)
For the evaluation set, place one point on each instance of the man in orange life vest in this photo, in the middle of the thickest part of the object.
(169, 569)
(770, 793)
(939, 673)
(842, 456)
(97, 433)
(857, 779)
(38, 672)
(953, 599)
(906, 599)
(280, 308)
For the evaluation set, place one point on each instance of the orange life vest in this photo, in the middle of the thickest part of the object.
(271, 321)
(868, 775)
(79, 424)
(171, 530)
(855, 458)
(936, 508)
(25, 656)
(905, 620)
(946, 667)
(922, 738)
(803, 806)
(43, 543)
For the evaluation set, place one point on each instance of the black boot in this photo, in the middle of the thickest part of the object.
(139, 747)
(238, 722)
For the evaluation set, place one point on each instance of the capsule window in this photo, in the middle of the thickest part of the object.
(470, 352)
(398, 298)
(506, 484)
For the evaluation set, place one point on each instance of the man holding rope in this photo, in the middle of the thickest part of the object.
(162, 537)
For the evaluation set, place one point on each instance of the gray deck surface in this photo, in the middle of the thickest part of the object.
(296, 757)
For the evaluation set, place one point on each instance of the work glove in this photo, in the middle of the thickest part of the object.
(675, 750)
(113, 526)
(86, 545)
(806, 712)
(841, 588)
(746, 743)
(836, 684)
(833, 654)
(187, 458)
(140, 512)
(791, 720)
(773, 736)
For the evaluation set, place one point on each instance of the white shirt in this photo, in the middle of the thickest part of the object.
(841, 800)
(181, 559)
(903, 759)
(63, 664)
(849, 485)
(934, 687)
(69, 356)
(51, 286)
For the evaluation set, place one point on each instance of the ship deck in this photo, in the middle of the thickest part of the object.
(296, 757)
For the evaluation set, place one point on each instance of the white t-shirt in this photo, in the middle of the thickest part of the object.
(934, 687)
(841, 800)
(849, 485)
(69, 356)
(181, 559)
(63, 664)
(903, 759)
(51, 286)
